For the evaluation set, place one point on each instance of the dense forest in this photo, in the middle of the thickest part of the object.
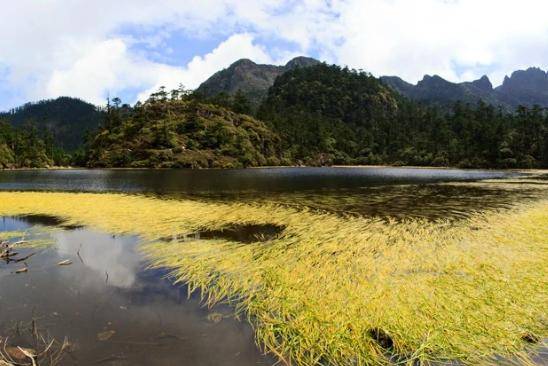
(314, 115)
(68, 121)
(175, 130)
(329, 115)
(24, 148)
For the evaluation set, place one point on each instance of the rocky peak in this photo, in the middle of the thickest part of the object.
(243, 63)
(432, 80)
(532, 78)
(301, 61)
(249, 78)
(483, 83)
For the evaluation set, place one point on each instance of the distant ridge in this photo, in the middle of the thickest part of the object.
(524, 87)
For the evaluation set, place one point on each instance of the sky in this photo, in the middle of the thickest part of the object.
(129, 48)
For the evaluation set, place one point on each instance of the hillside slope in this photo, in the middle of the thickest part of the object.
(326, 114)
(68, 120)
(331, 115)
(250, 79)
(183, 134)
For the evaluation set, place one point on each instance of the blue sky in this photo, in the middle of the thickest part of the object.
(128, 48)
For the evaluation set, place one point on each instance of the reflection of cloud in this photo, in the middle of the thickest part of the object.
(103, 254)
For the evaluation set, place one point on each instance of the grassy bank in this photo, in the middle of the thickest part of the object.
(345, 291)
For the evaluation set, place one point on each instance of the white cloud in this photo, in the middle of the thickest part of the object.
(107, 68)
(87, 49)
(411, 38)
(201, 67)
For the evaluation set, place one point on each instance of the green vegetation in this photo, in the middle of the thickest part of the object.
(66, 121)
(246, 79)
(328, 115)
(23, 148)
(313, 115)
(176, 131)
(338, 290)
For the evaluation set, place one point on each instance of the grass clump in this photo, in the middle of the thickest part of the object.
(345, 290)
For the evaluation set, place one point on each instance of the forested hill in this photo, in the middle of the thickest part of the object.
(313, 115)
(180, 132)
(330, 115)
(66, 120)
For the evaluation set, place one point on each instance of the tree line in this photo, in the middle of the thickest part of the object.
(319, 115)
(332, 115)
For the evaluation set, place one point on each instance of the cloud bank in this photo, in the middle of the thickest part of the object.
(92, 49)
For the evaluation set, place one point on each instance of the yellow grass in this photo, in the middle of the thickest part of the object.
(7, 235)
(320, 292)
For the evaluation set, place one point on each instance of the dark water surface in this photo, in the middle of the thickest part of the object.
(369, 191)
(216, 181)
(107, 293)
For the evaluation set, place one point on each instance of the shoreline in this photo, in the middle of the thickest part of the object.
(425, 167)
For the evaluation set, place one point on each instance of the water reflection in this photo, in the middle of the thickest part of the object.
(428, 201)
(175, 182)
(106, 291)
(104, 254)
(380, 192)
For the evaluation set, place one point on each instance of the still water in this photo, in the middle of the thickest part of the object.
(111, 309)
(395, 192)
(231, 181)
(115, 311)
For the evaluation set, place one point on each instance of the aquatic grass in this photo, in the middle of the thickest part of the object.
(8, 235)
(31, 238)
(335, 290)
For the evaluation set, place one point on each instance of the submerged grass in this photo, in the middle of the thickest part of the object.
(346, 290)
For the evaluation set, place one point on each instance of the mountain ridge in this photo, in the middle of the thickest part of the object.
(249, 78)
(523, 87)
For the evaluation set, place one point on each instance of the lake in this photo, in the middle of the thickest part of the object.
(111, 309)
(371, 191)
(115, 311)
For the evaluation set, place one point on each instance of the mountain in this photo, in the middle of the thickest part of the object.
(332, 115)
(67, 119)
(326, 114)
(182, 133)
(438, 91)
(524, 87)
(250, 79)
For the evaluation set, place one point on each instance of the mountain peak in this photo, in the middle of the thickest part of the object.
(301, 61)
(525, 87)
(432, 80)
(483, 83)
(243, 62)
(533, 75)
(249, 78)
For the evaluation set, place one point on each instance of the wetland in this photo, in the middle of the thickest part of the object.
(331, 266)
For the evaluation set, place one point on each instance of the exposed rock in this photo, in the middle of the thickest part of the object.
(251, 79)
(523, 87)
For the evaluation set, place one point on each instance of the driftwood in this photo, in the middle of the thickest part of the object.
(43, 352)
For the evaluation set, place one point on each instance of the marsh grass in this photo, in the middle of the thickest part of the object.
(8, 235)
(335, 290)
(32, 238)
